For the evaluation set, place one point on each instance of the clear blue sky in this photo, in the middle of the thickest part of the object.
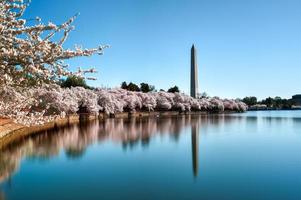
(245, 47)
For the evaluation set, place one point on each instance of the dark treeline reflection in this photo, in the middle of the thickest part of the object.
(74, 139)
(2, 195)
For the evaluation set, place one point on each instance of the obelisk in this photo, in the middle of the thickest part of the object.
(194, 74)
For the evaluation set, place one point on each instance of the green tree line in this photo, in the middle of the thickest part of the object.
(276, 102)
(145, 87)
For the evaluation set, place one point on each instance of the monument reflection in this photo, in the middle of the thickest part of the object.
(195, 148)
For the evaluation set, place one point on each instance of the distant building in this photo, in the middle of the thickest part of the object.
(297, 99)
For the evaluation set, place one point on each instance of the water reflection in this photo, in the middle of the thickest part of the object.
(74, 140)
(195, 148)
(130, 133)
(198, 154)
(2, 197)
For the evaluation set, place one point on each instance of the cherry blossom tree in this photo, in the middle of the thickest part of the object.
(29, 55)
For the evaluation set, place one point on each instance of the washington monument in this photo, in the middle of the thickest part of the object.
(194, 74)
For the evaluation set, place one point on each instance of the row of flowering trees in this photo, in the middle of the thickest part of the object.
(31, 64)
(37, 105)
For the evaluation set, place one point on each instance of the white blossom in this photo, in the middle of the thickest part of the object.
(29, 54)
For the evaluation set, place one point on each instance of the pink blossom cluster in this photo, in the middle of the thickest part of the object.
(35, 105)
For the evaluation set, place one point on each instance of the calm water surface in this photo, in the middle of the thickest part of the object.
(254, 155)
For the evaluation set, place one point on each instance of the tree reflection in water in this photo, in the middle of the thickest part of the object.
(2, 197)
(75, 139)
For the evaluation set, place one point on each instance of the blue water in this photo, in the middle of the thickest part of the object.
(253, 155)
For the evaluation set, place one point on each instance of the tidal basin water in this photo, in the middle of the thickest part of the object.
(253, 155)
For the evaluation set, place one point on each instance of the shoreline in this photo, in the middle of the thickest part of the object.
(11, 132)
(275, 109)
